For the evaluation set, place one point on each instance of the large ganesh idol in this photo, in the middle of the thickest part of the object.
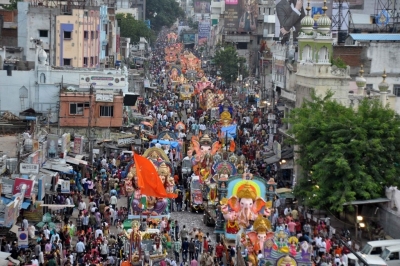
(152, 205)
(202, 160)
(190, 62)
(244, 204)
(202, 84)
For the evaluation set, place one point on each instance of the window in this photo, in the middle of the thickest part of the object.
(396, 89)
(85, 61)
(43, 33)
(92, 35)
(67, 35)
(67, 62)
(107, 111)
(85, 34)
(76, 108)
(91, 60)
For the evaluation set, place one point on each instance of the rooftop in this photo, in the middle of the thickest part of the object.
(366, 37)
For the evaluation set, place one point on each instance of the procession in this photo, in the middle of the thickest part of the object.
(202, 188)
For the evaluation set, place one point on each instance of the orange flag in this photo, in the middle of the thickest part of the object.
(148, 180)
(232, 146)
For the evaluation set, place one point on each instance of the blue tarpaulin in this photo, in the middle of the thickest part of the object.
(173, 144)
(25, 204)
(231, 130)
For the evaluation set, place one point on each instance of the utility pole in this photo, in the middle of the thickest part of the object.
(89, 130)
(58, 105)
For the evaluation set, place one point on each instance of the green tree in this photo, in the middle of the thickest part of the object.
(134, 29)
(227, 61)
(163, 13)
(345, 154)
(12, 6)
(193, 24)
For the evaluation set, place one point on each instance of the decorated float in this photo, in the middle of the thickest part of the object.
(245, 209)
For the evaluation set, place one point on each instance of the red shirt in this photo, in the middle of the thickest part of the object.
(219, 250)
(205, 244)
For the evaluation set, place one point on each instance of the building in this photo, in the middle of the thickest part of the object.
(8, 28)
(78, 40)
(37, 23)
(100, 109)
(40, 89)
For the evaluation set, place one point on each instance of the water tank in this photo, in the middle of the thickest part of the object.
(12, 164)
(28, 145)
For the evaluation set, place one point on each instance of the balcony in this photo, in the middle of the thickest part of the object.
(269, 19)
(288, 95)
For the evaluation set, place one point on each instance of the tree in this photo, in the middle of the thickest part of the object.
(345, 154)
(134, 29)
(163, 13)
(227, 60)
(12, 6)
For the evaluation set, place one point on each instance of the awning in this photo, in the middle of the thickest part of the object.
(58, 167)
(75, 160)
(56, 206)
(371, 201)
(6, 200)
(287, 165)
(4, 255)
(272, 159)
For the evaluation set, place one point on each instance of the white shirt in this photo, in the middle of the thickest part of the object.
(35, 262)
(82, 206)
(113, 200)
(46, 233)
(98, 232)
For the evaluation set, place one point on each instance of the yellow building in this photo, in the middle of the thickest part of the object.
(78, 39)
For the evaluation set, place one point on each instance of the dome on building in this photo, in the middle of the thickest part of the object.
(360, 80)
(307, 23)
(42, 56)
(383, 86)
(324, 22)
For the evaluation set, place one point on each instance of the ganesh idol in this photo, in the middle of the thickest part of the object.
(246, 205)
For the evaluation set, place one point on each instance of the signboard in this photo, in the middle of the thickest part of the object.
(291, 20)
(105, 96)
(65, 186)
(19, 182)
(23, 239)
(125, 141)
(28, 168)
(65, 142)
(9, 214)
(201, 7)
(189, 38)
(41, 187)
(241, 15)
(204, 32)
(78, 145)
(52, 146)
(102, 81)
(34, 158)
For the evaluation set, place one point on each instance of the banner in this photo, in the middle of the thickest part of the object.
(52, 146)
(23, 239)
(204, 32)
(41, 187)
(9, 214)
(65, 142)
(78, 145)
(291, 20)
(189, 38)
(19, 182)
(241, 15)
(201, 7)
(65, 186)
